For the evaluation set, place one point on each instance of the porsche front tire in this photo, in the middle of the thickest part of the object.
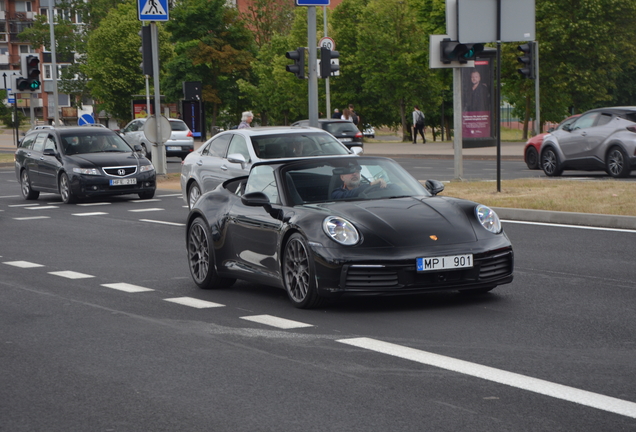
(299, 275)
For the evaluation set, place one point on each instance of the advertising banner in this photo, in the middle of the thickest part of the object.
(477, 100)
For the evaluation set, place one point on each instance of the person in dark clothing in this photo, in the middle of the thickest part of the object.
(477, 97)
(351, 187)
(336, 114)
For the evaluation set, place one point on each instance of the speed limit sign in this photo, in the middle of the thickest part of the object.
(327, 42)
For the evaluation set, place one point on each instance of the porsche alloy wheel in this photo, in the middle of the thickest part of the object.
(617, 163)
(550, 163)
(298, 273)
(200, 257)
(25, 186)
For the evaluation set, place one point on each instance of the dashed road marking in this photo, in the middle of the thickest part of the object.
(122, 286)
(90, 214)
(47, 207)
(23, 205)
(192, 302)
(93, 204)
(23, 264)
(71, 274)
(559, 391)
(146, 210)
(145, 201)
(276, 322)
(31, 218)
(162, 222)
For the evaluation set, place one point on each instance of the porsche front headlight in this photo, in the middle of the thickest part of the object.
(488, 218)
(341, 230)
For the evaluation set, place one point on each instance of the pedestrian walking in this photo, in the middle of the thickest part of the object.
(246, 119)
(336, 114)
(346, 115)
(355, 118)
(418, 124)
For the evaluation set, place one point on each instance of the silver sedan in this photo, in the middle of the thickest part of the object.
(602, 139)
(231, 154)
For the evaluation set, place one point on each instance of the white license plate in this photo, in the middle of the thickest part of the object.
(123, 182)
(345, 139)
(444, 262)
(173, 148)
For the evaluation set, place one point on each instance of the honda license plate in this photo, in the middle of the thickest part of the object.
(123, 182)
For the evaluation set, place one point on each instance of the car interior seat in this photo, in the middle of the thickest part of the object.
(334, 184)
(274, 151)
(293, 192)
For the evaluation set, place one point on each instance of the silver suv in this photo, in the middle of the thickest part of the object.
(180, 143)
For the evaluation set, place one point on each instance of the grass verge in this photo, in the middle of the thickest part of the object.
(593, 196)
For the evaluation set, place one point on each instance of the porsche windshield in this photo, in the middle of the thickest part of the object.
(350, 179)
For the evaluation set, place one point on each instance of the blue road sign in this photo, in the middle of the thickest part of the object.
(153, 10)
(312, 2)
(86, 119)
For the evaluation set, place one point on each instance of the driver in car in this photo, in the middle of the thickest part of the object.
(351, 187)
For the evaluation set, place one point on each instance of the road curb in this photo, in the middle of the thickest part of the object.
(567, 218)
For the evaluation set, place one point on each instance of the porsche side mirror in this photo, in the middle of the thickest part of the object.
(434, 186)
(255, 199)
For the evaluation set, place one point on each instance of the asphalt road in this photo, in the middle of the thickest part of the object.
(103, 329)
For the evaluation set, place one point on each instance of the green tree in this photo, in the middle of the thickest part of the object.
(267, 18)
(113, 60)
(212, 45)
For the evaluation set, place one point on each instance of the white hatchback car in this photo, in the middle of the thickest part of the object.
(231, 154)
(180, 143)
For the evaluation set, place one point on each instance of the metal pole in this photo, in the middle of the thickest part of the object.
(313, 74)
(159, 155)
(327, 89)
(148, 111)
(498, 108)
(457, 122)
(56, 115)
(536, 88)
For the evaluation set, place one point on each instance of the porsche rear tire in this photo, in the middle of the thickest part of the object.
(299, 275)
(201, 257)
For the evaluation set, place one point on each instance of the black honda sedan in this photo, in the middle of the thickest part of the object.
(326, 227)
(81, 162)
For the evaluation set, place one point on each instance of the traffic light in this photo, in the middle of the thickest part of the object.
(146, 51)
(527, 60)
(326, 67)
(451, 51)
(30, 79)
(298, 68)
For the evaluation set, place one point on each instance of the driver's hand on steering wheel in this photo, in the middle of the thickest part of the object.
(379, 181)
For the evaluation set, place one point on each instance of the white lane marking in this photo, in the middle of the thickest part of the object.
(90, 214)
(32, 218)
(145, 201)
(169, 195)
(23, 264)
(146, 210)
(9, 196)
(122, 286)
(192, 302)
(93, 204)
(71, 274)
(275, 321)
(42, 207)
(22, 205)
(570, 226)
(559, 391)
(162, 222)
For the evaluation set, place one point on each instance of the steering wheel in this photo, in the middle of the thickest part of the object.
(376, 191)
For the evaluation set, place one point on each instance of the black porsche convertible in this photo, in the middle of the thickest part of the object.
(325, 227)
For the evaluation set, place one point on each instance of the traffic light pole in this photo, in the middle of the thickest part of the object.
(536, 89)
(313, 73)
(457, 123)
(159, 153)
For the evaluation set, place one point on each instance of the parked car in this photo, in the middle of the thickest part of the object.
(533, 145)
(232, 153)
(368, 131)
(79, 162)
(601, 139)
(281, 226)
(180, 143)
(345, 131)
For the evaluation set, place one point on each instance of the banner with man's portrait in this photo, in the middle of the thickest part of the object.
(477, 99)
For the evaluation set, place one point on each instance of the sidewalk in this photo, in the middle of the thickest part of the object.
(388, 148)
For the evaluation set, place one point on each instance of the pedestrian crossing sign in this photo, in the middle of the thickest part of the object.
(153, 10)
